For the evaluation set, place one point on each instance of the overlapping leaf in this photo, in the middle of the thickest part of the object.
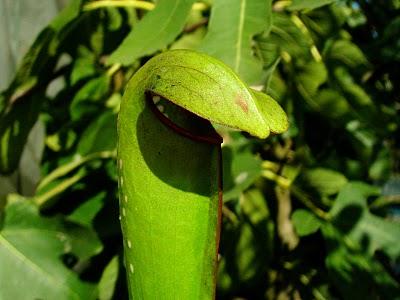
(31, 249)
(354, 238)
(146, 38)
(26, 92)
(232, 27)
(308, 4)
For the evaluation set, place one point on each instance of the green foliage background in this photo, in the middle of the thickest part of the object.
(311, 214)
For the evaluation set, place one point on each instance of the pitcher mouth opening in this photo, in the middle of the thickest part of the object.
(181, 120)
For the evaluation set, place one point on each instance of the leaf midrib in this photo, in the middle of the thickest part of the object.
(240, 34)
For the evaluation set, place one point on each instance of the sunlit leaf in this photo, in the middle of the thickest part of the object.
(308, 4)
(146, 38)
(305, 222)
(108, 279)
(233, 25)
(325, 181)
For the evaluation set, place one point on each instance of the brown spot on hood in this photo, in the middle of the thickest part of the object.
(242, 103)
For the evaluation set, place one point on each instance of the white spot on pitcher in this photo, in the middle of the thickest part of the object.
(160, 107)
(156, 99)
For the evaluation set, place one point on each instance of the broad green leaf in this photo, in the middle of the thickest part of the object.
(325, 181)
(31, 247)
(115, 19)
(272, 112)
(169, 179)
(310, 76)
(190, 41)
(379, 169)
(269, 71)
(287, 37)
(241, 169)
(83, 66)
(332, 104)
(358, 98)
(305, 222)
(20, 103)
(354, 93)
(87, 100)
(100, 135)
(233, 25)
(351, 269)
(277, 87)
(86, 212)
(324, 23)
(108, 279)
(146, 37)
(247, 247)
(308, 4)
(269, 52)
(347, 53)
(352, 218)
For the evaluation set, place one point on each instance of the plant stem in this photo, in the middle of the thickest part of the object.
(118, 3)
(299, 23)
(65, 169)
(132, 3)
(284, 224)
(281, 5)
(42, 199)
(114, 68)
(280, 180)
(230, 215)
(308, 203)
(270, 165)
